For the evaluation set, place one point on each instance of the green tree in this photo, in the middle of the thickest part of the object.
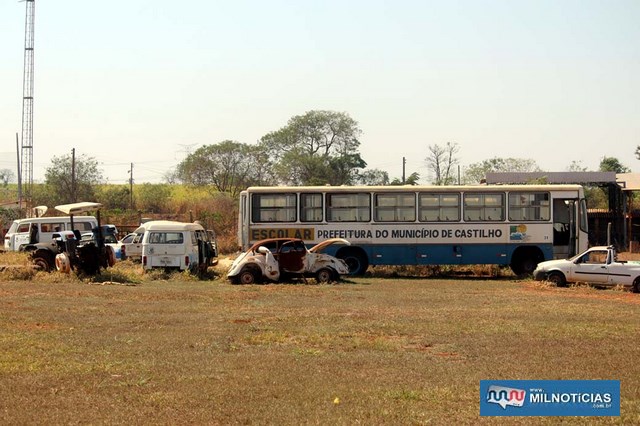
(595, 196)
(153, 197)
(576, 166)
(344, 169)
(228, 166)
(600, 198)
(59, 182)
(7, 192)
(114, 196)
(476, 172)
(612, 164)
(413, 179)
(6, 176)
(319, 147)
(441, 161)
(373, 177)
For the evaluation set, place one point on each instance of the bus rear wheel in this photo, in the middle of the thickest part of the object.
(355, 260)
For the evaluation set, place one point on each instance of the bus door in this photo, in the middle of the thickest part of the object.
(565, 227)
(243, 221)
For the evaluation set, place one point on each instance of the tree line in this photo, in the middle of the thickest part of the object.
(316, 148)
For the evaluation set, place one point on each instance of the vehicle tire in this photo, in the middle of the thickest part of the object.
(43, 261)
(636, 285)
(111, 255)
(325, 275)
(62, 263)
(558, 279)
(355, 260)
(248, 276)
(524, 267)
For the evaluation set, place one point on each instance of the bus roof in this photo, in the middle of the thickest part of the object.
(415, 188)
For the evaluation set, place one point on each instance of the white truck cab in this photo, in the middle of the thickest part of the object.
(598, 265)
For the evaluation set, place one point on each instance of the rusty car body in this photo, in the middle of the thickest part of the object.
(276, 258)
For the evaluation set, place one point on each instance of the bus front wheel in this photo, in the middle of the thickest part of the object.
(525, 260)
(356, 261)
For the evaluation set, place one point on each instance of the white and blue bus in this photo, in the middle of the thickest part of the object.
(514, 225)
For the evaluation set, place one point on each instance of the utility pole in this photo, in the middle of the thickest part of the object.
(74, 197)
(404, 163)
(19, 173)
(131, 185)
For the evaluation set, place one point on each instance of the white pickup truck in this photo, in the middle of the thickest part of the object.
(598, 265)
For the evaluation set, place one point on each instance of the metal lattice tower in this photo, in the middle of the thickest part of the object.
(26, 164)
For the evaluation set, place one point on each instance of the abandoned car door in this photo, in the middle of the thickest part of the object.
(591, 267)
(291, 256)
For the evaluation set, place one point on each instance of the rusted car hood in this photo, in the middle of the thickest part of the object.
(320, 246)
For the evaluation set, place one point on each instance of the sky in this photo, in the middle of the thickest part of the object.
(149, 81)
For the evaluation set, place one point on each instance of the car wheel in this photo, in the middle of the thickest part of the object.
(636, 285)
(248, 276)
(324, 275)
(557, 278)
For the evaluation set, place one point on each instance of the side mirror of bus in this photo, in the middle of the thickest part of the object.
(263, 250)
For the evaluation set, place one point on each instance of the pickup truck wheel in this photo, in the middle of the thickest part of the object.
(636, 285)
(557, 278)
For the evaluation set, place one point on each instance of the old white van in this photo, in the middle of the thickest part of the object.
(41, 229)
(176, 245)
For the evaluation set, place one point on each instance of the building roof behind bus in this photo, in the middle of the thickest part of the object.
(415, 188)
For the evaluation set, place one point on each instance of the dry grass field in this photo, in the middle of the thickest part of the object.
(404, 350)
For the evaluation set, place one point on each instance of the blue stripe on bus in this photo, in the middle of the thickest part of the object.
(442, 254)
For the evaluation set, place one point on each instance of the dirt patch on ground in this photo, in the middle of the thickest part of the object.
(583, 291)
